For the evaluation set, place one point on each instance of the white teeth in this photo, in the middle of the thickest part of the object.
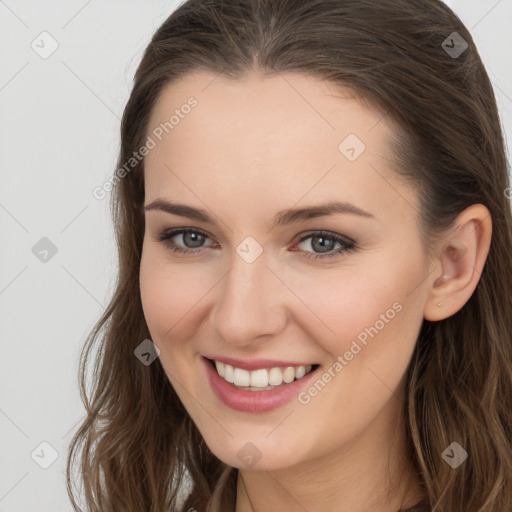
(220, 368)
(275, 377)
(289, 374)
(261, 378)
(228, 372)
(300, 372)
(241, 377)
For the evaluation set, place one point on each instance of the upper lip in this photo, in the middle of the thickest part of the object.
(256, 364)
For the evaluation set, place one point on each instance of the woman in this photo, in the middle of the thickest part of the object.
(313, 304)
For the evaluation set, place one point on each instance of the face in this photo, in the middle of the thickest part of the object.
(253, 284)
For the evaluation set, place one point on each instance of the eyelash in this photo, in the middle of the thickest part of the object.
(348, 245)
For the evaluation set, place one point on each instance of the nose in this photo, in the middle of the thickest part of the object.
(249, 303)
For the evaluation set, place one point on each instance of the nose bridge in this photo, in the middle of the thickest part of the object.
(248, 303)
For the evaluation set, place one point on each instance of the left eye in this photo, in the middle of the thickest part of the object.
(321, 241)
(325, 242)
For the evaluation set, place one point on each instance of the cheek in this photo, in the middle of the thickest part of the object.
(171, 301)
(376, 321)
(170, 295)
(366, 312)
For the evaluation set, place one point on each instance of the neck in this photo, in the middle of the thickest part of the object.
(373, 474)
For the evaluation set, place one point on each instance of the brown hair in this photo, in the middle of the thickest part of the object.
(137, 442)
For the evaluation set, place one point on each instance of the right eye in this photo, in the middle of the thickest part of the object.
(191, 239)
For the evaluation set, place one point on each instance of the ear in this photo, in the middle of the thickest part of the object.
(459, 261)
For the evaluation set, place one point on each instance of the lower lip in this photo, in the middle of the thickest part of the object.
(254, 401)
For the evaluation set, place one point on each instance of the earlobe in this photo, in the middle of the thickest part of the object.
(460, 262)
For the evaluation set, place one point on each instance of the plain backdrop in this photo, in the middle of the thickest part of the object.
(59, 133)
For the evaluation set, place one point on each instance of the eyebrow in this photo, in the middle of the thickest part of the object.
(282, 218)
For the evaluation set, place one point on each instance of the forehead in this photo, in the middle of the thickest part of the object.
(282, 105)
(285, 136)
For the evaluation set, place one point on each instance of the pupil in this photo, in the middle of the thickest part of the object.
(196, 239)
(323, 247)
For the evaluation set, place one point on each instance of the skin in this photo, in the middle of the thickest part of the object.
(251, 148)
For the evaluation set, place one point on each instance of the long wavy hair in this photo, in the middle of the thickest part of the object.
(138, 448)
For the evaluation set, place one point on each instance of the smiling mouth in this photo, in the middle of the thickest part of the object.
(263, 379)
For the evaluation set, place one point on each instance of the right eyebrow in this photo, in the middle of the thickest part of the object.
(182, 210)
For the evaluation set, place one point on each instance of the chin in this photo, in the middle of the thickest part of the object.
(255, 455)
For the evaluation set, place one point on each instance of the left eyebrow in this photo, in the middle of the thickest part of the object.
(282, 218)
(292, 215)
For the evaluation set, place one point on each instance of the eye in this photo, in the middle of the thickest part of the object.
(325, 242)
(192, 241)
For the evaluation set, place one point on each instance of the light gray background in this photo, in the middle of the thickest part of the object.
(59, 128)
